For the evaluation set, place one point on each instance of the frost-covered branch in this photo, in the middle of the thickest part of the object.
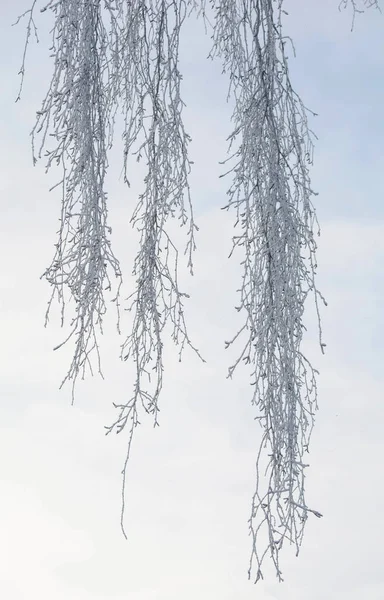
(111, 54)
(271, 150)
(150, 89)
(74, 128)
(358, 6)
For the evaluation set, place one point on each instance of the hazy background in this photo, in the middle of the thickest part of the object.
(190, 481)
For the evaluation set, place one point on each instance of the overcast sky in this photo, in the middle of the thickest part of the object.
(190, 481)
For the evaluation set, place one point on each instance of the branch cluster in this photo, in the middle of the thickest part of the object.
(119, 55)
(271, 196)
(110, 56)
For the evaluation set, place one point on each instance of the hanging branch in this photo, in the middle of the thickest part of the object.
(75, 119)
(271, 196)
(150, 90)
(358, 6)
(131, 63)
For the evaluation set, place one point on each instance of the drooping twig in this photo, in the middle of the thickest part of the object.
(150, 82)
(271, 196)
(74, 129)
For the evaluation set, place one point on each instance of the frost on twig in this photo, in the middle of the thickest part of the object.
(149, 85)
(358, 6)
(111, 54)
(271, 196)
(130, 63)
(74, 129)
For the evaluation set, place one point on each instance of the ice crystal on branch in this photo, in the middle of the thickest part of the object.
(271, 196)
(115, 55)
(74, 128)
(150, 81)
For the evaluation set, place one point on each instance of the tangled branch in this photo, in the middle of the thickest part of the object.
(271, 196)
(108, 55)
(150, 83)
(75, 120)
(119, 54)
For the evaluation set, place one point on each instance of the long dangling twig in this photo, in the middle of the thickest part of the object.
(271, 195)
(150, 89)
(133, 63)
(358, 6)
(74, 129)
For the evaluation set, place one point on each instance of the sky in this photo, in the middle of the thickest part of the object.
(190, 481)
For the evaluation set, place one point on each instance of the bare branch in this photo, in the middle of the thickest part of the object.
(131, 62)
(31, 26)
(150, 87)
(75, 120)
(271, 195)
(358, 6)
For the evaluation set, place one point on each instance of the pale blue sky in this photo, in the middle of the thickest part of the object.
(191, 480)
